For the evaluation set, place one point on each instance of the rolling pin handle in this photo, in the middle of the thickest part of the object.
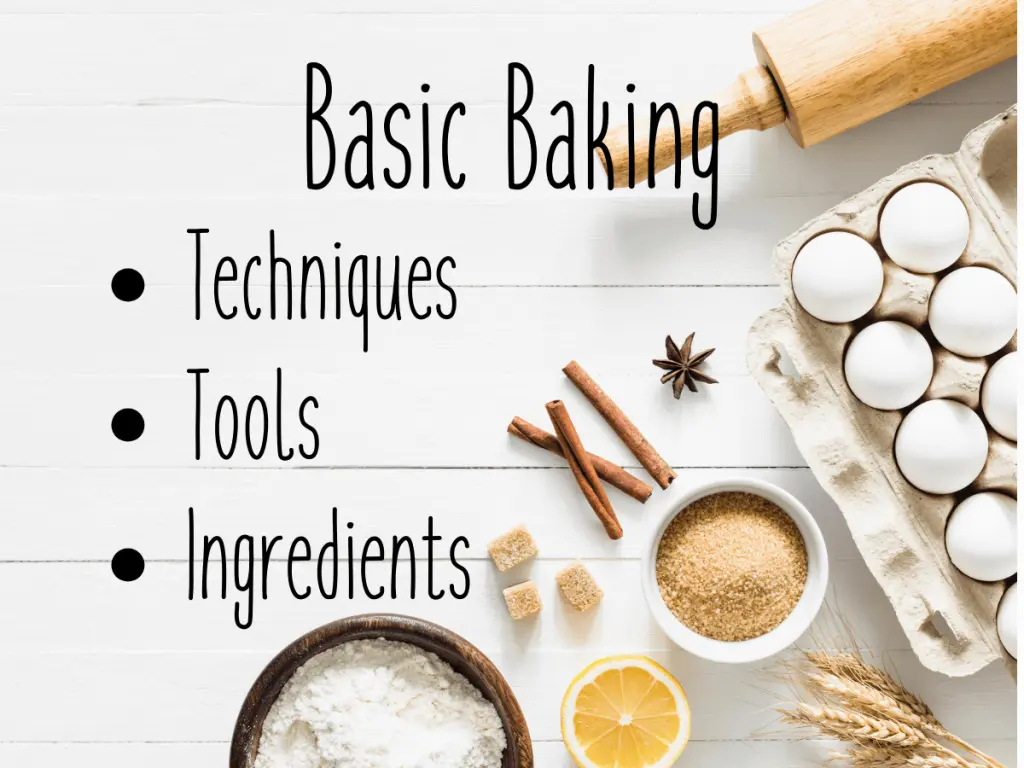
(751, 103)
(758, 101)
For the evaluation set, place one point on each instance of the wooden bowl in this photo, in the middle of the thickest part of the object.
(464, 657)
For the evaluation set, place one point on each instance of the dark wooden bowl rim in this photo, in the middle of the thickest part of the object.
(463, 656)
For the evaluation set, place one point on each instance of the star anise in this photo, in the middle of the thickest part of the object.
(682, 367)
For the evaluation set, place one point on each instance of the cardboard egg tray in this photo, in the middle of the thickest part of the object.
(949, 618)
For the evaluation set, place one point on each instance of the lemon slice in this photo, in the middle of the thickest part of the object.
(625, 712)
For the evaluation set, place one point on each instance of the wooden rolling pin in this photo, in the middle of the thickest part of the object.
(834, 66)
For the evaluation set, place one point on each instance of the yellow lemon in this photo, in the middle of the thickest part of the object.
(625, 712)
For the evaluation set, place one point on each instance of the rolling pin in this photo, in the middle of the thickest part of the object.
(833, 66)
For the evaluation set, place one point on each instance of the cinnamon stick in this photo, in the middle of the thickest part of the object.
(608, 471)
(656, 466)
(582, 468)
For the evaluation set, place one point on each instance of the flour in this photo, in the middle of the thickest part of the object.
(380, 704)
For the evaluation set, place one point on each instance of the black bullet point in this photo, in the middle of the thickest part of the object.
(127, 424)
(127, 564)
(127, 284)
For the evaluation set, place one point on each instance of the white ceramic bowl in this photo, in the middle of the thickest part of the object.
(791, 628)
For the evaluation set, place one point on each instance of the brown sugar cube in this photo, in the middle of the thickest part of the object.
(522, 600)
(578, 586)
(512, 548)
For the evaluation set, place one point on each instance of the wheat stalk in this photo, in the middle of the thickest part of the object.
(888, 757)
(850, 666)
(858, 684)
(851, 725)
(854, 694)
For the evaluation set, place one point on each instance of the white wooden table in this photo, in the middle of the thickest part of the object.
(121, 127)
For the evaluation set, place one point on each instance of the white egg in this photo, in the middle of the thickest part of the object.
(924, 227)
(1006, 620)
(981, 536)
(973, 311)
(837, 277)
(889, 365)
(999, 396)
(941, 446)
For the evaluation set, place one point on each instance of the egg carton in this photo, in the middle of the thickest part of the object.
(797, 360)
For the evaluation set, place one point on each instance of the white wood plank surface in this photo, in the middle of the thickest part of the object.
(179, 58)
(734, 426)
(612, 241)
(394, 7)
(153, 505)
(214, 151)
(122, 124)
(230, 503)
(735, 754)
(372, 410)
(80, 592)
(199, 694)
(542, 329)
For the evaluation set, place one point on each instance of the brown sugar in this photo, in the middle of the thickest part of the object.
(731, 566)
(579, 587)
(512, 548)
(523, 600)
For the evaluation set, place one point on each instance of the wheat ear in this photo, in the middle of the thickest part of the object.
(850, 666)
(855, 726)
(859, 684)
(889, 757)
(854, 694)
